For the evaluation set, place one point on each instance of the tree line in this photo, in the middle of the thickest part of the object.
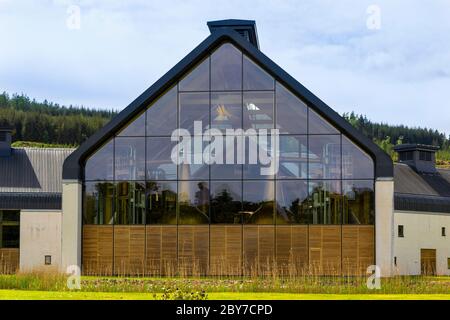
(387, 136)
(48, 122)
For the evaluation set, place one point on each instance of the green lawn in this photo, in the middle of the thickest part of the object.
(55, 295)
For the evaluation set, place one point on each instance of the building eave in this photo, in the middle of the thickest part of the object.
(72, 169)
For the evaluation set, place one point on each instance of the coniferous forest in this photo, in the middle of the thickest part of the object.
(47, 123)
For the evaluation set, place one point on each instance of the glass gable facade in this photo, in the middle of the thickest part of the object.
(323, 177)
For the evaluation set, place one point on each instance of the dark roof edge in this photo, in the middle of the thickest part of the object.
(415, 146)
(72, 165)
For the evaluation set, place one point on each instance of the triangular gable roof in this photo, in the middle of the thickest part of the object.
(72, 169)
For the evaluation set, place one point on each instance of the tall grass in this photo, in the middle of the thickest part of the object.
(268, 278)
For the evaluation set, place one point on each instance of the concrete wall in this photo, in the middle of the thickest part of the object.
(384, 220)
(422, 230)
(40, 235)
(71, 224)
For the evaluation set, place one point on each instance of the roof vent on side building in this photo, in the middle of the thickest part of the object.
(421, 157)
(5, 141)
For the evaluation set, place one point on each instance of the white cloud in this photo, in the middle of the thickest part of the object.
(398, 74)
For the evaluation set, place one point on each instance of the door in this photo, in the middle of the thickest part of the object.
(428, 261)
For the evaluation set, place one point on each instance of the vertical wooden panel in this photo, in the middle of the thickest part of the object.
(357, 249)
(325, 249)
(250, 243)
(129, 257)
(9, 260)
(331, 250)
(349, 250)
(259, 249)
(266, 249)
(97, 257)
(226, 250)
(161, 254)
(193, 249)
(292, 249)
(366, 248)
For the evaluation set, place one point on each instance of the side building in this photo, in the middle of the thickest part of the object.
(422, 213)
(30, 206)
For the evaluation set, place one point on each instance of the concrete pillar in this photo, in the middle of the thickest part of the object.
(384, 225)
(71, 223)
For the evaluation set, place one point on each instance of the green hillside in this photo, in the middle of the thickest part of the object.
(47, 124)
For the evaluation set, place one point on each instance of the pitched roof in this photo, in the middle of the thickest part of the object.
(73, 165)
(33, 170)
(421, 192)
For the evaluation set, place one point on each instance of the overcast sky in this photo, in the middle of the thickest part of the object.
(398, 73)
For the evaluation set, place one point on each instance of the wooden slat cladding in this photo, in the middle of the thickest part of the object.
(193, 249)
(292, 249)
(97, 250)
(129, 250)
(167, 250)
(226, 250)
(357, 249)
(325, 250)
(9, 260)
(161, 255)
(259, 249)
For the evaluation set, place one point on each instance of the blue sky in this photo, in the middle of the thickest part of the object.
(398, 74)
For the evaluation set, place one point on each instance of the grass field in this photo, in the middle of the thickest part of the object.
(55, 295)
(39, 286)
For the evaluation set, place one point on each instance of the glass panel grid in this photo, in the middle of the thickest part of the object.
(333, 171)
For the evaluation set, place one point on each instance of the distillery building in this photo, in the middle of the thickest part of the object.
(229, 166)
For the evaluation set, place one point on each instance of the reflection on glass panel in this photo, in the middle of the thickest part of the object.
(9, 229)
(258, 110)
(226, 68)
(292, 204)
(226, 110)
(162, 114)
(325, 202)
(356, 164)
(100, 165)
(255, 78)
(135, 128)
(359, 202)
(318, 125)
(258, 161)
(293, 157)
(161, 202)
(129, 158)
(292, 113)
(197, 79)
(197, 169)
(226, 202)
(193, 199)
(159, 163)
(130, 203)
(194, 107)
(231, 167)
(258, 202)
(325, 157)
(98, 203)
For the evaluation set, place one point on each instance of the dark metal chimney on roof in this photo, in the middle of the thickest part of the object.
(246, 28)
(420, 157)
(5, 141)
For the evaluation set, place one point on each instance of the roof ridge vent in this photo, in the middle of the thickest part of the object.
(246, 28)
(5, 141)
(421, 157)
